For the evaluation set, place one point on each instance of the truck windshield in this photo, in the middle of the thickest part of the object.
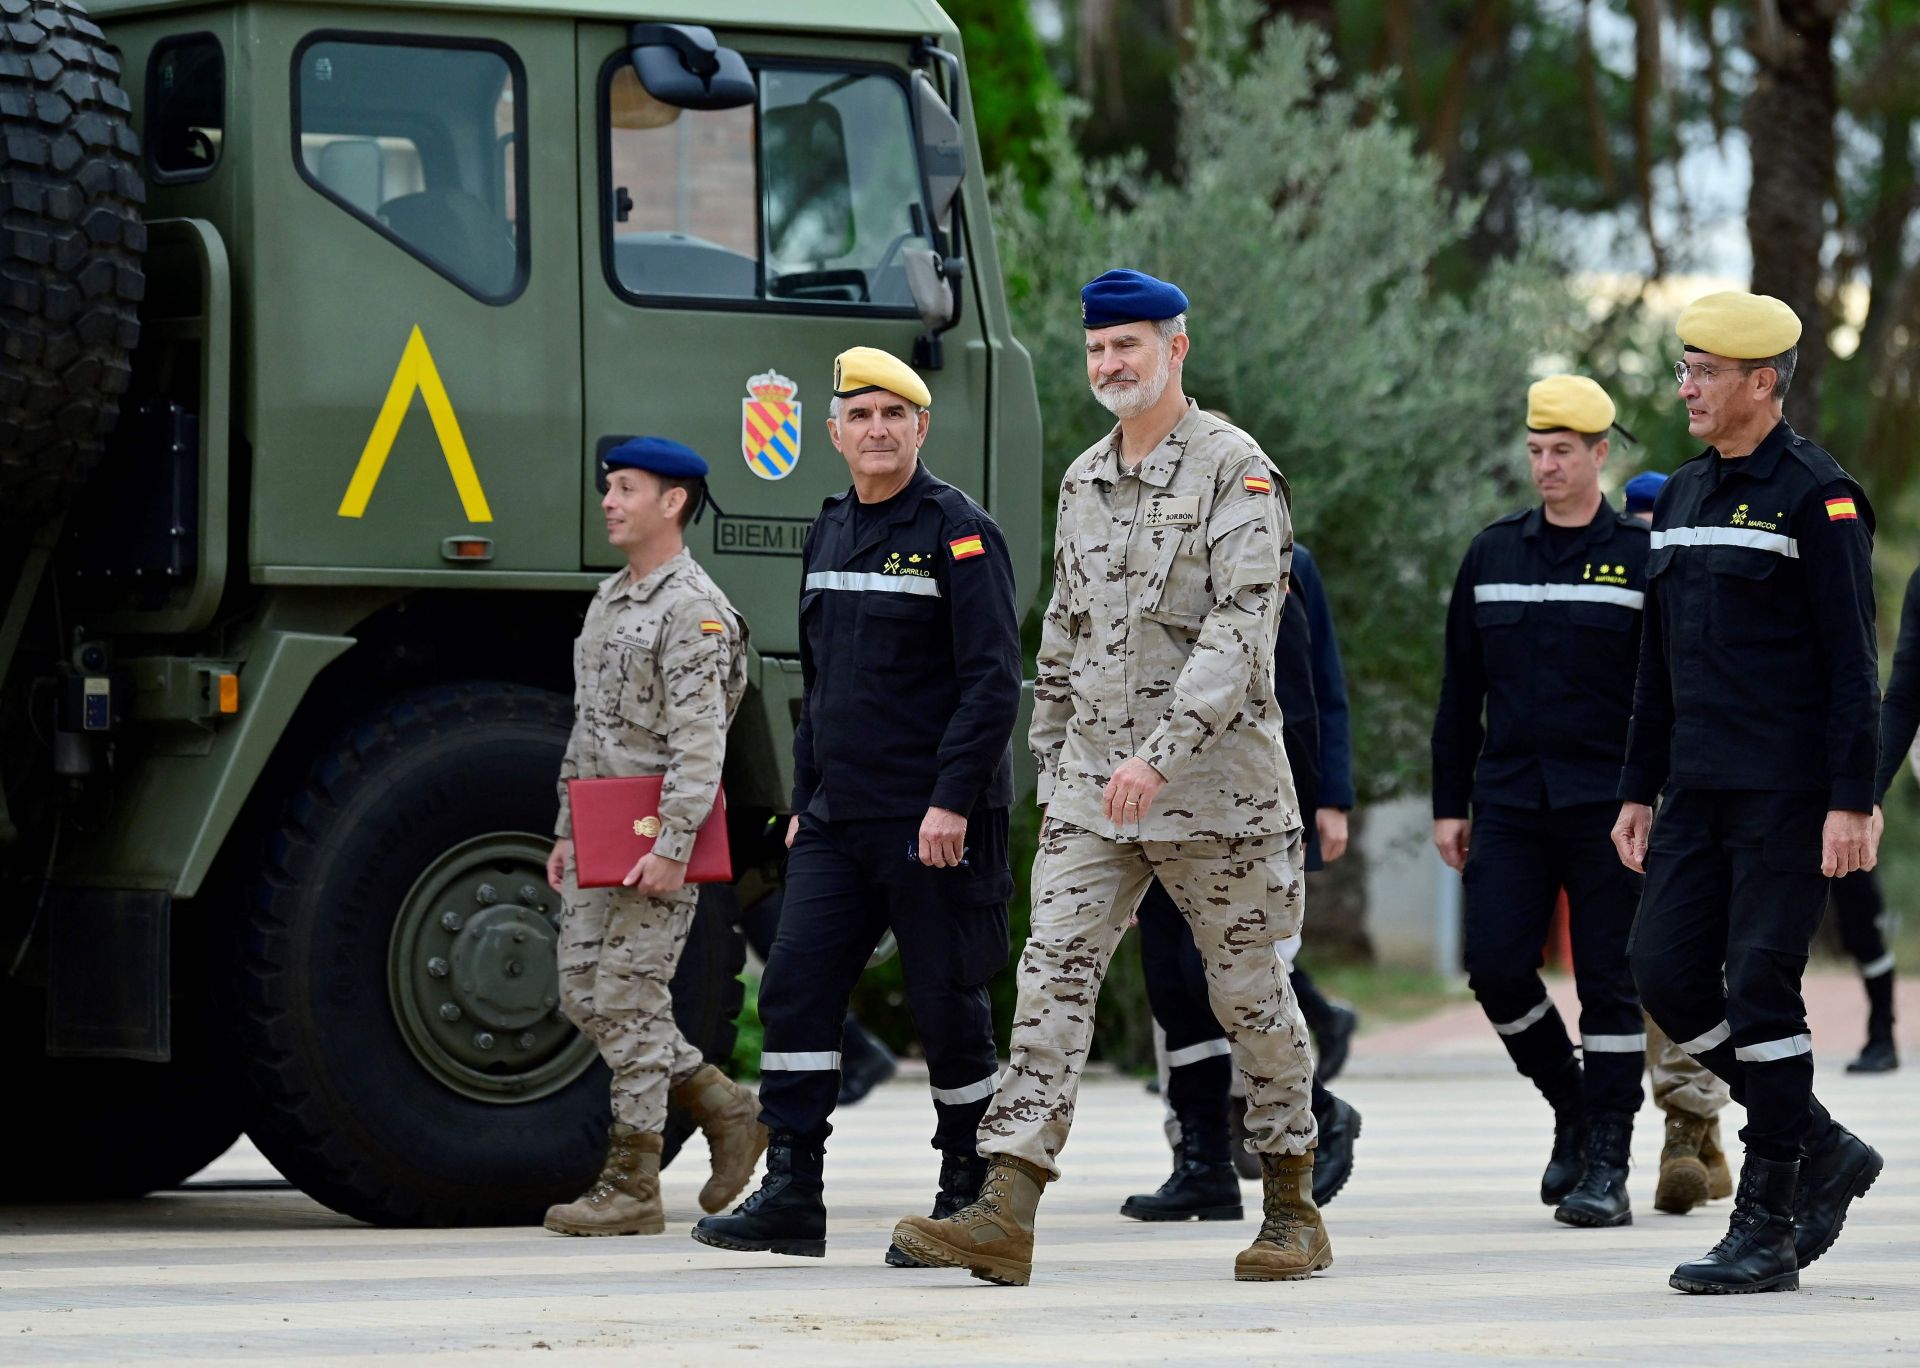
(811, 197)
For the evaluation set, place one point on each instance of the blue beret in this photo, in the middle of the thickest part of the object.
(1643, 489)
(661, 455)
(1128, 297)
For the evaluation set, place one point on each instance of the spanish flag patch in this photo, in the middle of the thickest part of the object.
(1257, 484)
(964, 548)
(1838, 510)
(712, 625)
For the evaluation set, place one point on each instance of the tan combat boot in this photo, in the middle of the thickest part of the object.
(1719, 1176)
(625, 1199)
(1683, 1181)
(1292, 1242)
(993, 1238)
(730, 1116)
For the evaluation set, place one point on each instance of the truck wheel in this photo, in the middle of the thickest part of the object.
(406, 1058)
(70, 274)
(108, 1129)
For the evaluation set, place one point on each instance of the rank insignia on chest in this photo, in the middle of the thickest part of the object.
(965, 548)
(1174, 512)
(1839, 510)
(1257, 484)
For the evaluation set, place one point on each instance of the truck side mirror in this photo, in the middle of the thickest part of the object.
(943, 152)
(685, 66)
(931, 284)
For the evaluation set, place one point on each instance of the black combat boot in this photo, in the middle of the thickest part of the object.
(1339, 1127)
(1203, 1185)
(1565, 1092)
(785, 1214)
(961, 1175)
(1600, 1197)
(1879, 1056)
(1756, 1253)
(1844, 1167)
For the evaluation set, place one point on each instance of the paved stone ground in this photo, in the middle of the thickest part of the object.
(1442, 1253)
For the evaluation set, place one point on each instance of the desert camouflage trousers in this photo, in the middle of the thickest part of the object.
(1680, 1082)
(1241, 896)
(618, 951)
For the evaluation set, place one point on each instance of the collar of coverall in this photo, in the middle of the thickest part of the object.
(1602, 525)
(644, 588)
(1160, 463)
(1765, 456)
(841, 506)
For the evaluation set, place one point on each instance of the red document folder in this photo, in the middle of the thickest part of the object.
(616, 821)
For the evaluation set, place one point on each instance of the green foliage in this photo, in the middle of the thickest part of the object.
(1305, 230)
(1008, 78)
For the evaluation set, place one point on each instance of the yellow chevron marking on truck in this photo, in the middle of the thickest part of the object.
(416, 371)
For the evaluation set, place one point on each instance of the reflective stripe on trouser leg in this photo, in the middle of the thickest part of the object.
(1085, 887)
(1680, 1083)
(1771, 1051)
(977, 1091)
(828, 924)
(1242, 898)
(617, 953)
(1875, 968)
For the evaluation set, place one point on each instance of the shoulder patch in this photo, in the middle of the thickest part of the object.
(1258, 484)
(967, 547)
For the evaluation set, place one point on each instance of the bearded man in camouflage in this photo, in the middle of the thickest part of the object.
(1159, 748)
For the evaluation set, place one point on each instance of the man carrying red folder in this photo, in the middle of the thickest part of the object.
(659, 667)
(910, 655)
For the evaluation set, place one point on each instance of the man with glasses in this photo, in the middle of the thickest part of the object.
(1541, 640)
(1756, 711)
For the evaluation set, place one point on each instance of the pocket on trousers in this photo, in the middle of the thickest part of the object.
(1286, 891)
(981, 941)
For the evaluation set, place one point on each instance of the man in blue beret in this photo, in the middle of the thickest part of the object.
(659, 669)
(1160, 752)
(1641, 492)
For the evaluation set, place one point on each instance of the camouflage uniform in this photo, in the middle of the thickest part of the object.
(659, 668)
(1158, 643)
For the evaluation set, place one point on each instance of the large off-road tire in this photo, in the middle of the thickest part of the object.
(104, 1129)
(71, 239)
(405, 1059)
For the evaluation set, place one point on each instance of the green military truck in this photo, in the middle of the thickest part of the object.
(315, 319)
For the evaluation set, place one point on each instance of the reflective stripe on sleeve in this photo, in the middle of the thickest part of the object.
(1778, 543)
(1557, 593)
(865, 582)
(1768, 1051)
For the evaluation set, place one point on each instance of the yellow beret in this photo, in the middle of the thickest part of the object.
(859, 369)
(1734, 323)
(1572, 402)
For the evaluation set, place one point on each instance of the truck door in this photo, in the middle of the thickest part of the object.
(727, 256)
(414, 298)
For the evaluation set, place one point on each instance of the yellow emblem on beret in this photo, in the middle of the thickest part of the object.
(859, 369)
(1572, 402)
(1746, 327)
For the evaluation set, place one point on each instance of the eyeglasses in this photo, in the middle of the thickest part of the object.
(1701, 374)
